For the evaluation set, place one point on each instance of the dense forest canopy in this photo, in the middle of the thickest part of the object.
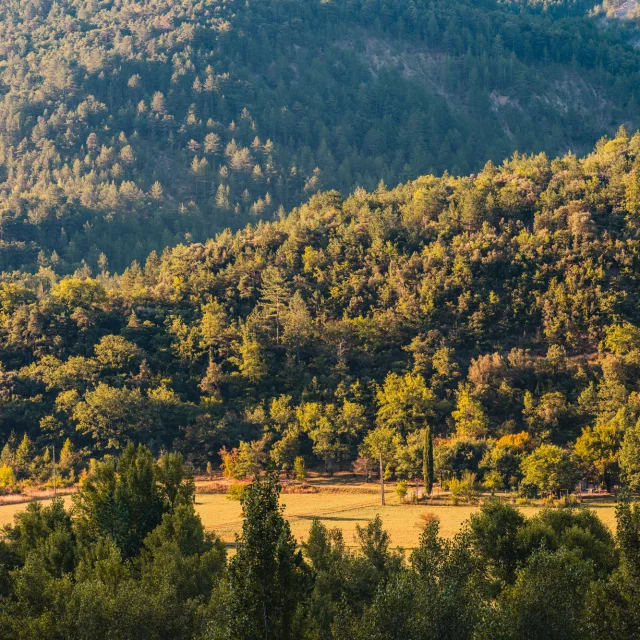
(129, 126)
(499, 309)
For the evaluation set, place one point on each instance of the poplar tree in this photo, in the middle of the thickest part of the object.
(268, 578)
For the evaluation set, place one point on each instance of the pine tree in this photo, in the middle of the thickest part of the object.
(157, 103)
(210, 384)
(156, 191)
(274, 295)
(103, 263)
(222, 197)
(212, 143)
(24, 453)
(67, 455)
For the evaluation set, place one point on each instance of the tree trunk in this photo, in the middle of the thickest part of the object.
(381, 482)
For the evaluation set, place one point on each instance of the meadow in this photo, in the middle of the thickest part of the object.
(344, 507)
(346, 511)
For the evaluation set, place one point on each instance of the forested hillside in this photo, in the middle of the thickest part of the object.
(499, 309)
(129, 126)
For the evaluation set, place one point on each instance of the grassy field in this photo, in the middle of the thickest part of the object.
(346, 511)
(343, 509)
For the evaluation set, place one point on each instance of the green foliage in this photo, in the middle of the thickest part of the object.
(579, 531)
(101, 168)
(598, 449)
(45, 535)
(299, 469)
(464, 487)
(559, 574)
(401, 490)
(453, 457)
(125, 501)
(628, 532)
(236, 491)
(483, 307)
(404, 403)
(331, 428)
(7, 477)
(470, 418)
(550, 469)
(494, 536)
(435, 597)
(381, 444)
(546, 600)
(428, 469)
(243, 462)
(493, 481)
(267, 576)
(629, 457)
(58, 583)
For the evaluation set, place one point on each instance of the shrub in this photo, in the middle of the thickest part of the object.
(7, 477)
(464, 487)
(299, 468)
(243, 462)
(427, 519)
(567, 501)
(401, 490)
(236, 491)
(493, 481)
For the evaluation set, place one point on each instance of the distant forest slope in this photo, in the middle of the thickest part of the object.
(129, 126)
(490, 306)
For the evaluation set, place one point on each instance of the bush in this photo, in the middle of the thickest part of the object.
(427, 519)
(465, 487)
(299, 468)
(236, 491)
(401, 490)
(567, 501)
(493, 481)
(7, 477)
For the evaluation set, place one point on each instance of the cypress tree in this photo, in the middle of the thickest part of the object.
(427, 460)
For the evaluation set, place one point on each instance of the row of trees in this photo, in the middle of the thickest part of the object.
(133, 560)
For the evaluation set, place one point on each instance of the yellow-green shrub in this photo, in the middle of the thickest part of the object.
(7, 477)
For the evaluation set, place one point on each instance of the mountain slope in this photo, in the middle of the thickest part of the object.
(126, 127)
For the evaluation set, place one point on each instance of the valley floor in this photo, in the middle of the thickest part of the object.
(345, 505)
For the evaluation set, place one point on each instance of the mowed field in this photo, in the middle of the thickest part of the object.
(344, 510)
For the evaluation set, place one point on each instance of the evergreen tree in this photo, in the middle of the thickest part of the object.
(274, 295)
(427, 460)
